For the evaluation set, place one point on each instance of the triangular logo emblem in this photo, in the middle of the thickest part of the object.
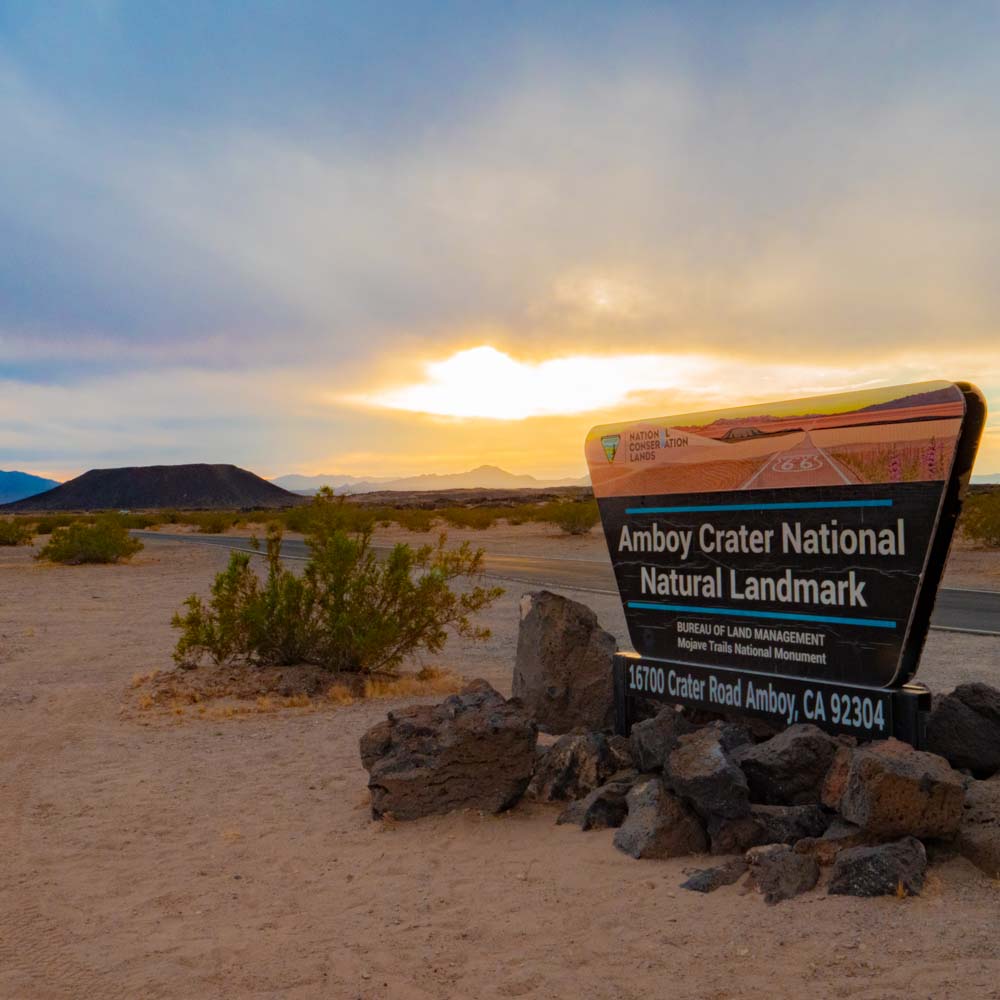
(610, 445)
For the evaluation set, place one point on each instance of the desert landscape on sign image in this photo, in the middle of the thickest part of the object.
(901, 434)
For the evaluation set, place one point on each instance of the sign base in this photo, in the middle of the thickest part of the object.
(864, 712)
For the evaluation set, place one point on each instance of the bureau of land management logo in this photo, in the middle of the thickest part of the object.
(610, 445)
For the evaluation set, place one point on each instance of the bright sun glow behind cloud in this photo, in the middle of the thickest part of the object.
(485, 382)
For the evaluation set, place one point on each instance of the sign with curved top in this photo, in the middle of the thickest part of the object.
(764, 552)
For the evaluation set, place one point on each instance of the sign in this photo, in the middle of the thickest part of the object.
(786, 553)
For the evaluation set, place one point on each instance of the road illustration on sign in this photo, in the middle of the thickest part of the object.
(902, 434)
(803, 464)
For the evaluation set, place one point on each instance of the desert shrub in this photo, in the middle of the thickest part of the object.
(523, 513)
(331, 509)
(48, 523)
(259, 515)
(105, 541)
(981, 518)
(414, 519)
(139, 520)
(265, 622)
(15, 532)
(575, 518)
(349, 611)
(295, 519)
(470, 517)
(212, 522)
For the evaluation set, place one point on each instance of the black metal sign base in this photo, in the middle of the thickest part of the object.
(867, 713)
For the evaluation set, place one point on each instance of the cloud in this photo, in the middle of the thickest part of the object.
(806, 198)
(737, 214)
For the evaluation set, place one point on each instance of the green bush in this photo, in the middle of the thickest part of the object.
(348, 611)
(105, 541)
(48, 523)
(213, 522)
(414, 519)
(981, 518)
(296, 519)
(575, 518)
(523, 513)
(269, 623)
(332, 508)
(470, 517)
(139, 521)
(15, 532)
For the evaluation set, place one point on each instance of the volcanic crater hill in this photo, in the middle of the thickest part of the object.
(150, 487)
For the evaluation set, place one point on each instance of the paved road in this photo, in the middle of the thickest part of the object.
(804, 464)
(956, 610)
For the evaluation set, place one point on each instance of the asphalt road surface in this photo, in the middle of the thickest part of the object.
(956, 610)
(805, 464)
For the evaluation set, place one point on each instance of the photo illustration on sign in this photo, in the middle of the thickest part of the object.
(783, 559)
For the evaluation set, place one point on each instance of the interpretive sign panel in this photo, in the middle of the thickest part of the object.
(799, 540)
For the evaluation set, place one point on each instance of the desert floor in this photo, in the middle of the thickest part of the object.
(147, 855)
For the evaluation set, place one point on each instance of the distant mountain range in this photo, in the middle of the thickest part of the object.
(147, 487)
(485, 477)
(17, 485)
(227, 486)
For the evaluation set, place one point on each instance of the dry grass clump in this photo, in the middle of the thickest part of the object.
(239, 691)
(430, 680)
(340, 694)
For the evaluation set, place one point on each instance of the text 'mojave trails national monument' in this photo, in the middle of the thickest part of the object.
(782, 560)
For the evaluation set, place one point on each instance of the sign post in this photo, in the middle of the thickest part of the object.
(782, 560)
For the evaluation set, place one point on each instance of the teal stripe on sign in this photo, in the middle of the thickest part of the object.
(790, 505)
(791, 616)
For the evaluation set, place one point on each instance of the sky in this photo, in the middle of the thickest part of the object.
(396, 238)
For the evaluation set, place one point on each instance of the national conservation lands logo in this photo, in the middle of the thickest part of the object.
(642, 443)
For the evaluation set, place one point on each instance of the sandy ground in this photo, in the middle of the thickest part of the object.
(150, 856)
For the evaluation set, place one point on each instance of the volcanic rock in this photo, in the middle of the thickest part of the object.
(979, 835)
(964, 728)
(655, 739)
(832, 789)
(882, 870)
(766, 825)
(780, 873)
(576, 764)
(473, 750)
(710, 879)
(838, 836)
(893, 790)
(789, 768)
(604, 807)
(658, 824)
(701, 771)
(562, 672)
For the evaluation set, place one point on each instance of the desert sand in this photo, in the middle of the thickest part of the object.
(152, 855)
